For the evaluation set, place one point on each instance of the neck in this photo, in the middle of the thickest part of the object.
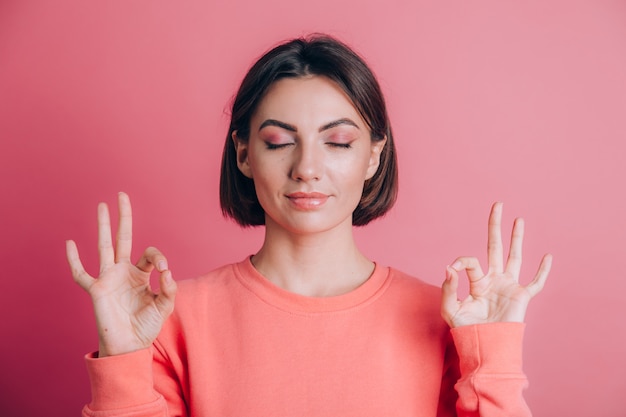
(317, 265)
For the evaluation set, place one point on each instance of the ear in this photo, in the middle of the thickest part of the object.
(241, 149)
(377, 149)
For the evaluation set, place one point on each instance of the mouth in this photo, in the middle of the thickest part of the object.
(307, 201)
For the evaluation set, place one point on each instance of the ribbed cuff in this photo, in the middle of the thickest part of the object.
(121, 381)
(492, 348)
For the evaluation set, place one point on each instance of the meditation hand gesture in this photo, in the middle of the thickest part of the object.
(496, 296)
(129, 314)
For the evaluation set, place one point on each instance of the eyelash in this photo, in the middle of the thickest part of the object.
(274, 146)
(340, 145)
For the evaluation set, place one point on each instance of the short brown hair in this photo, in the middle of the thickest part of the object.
(319, 55)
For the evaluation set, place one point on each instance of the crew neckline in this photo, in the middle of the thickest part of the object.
(288, 301)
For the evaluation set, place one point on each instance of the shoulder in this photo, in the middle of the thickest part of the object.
(210, 291)
(415, 306)
(203, 301)
(209, 280)
(408, 282)
(414, 292)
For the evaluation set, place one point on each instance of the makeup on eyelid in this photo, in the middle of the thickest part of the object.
(341, 138)
(277, 139)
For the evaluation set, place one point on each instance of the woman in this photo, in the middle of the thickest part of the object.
(307, 326)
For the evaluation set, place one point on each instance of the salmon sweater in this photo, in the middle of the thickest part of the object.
(237, 345)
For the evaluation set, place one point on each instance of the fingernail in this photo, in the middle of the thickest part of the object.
(162, 266)
(456, 266)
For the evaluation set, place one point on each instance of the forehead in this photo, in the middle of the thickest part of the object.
(307, 100)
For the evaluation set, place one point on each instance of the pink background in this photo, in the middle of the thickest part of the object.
(523, 102)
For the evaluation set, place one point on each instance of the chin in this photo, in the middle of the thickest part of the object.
(310, 224)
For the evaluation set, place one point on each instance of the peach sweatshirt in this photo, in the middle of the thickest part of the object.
(237, 345)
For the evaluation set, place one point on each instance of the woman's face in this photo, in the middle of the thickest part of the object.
(309, 154)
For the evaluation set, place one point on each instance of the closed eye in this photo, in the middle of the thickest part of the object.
(272, 146)
(339, 145)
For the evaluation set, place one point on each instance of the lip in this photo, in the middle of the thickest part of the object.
(307, 201)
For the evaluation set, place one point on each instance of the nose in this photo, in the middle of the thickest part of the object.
(308, 163)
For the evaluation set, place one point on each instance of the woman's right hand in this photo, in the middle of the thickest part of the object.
(129, 314)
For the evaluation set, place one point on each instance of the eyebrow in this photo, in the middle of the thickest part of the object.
(292, 128)
(282, 125)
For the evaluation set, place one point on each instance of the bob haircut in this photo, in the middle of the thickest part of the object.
(315, 55)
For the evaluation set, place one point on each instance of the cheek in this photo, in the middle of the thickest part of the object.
(353, 168)
(266, 175)
(260, 163)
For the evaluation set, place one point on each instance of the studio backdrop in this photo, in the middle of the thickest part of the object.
(520, 102)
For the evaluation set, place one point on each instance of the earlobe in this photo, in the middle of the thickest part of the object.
(377, 150)
(241, 149)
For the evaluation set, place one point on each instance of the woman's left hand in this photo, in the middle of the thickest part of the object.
(496, 296)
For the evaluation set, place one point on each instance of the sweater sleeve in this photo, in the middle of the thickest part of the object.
(123, 386)
(490, 362)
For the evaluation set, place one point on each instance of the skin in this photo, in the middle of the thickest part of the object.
(309, 154)
(129, 315)
(496, 296)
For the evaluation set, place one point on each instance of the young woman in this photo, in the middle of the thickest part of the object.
(307, 326)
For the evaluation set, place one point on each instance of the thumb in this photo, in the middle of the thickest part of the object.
(449, 299)
(167, 293)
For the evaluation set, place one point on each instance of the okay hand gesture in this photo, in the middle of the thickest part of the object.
(496, 296)
(129, 314)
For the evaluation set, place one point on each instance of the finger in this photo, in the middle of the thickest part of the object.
(471, 267)
(449, 297)
(514, 261)
(541, 277)
(152, 258)
(124, 241)
(105, 244)
(165, 299)
(79, 274)
(494, 239)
